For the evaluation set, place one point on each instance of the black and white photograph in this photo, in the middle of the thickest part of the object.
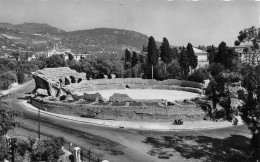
(129, 81)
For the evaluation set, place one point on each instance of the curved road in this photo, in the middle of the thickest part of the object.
(118, 145)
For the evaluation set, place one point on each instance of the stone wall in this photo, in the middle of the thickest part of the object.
(187, 112)
(60, 82)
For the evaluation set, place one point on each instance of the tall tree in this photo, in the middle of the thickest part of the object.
(221, 54)
(152, 58)
(184, 63)
(250, 110)
(135, 59)
(166, 53)
(192, 58)
(250, 35)
(128, 59)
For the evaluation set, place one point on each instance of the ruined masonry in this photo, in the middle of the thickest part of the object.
(53, 80)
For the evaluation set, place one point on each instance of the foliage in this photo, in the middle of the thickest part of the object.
(221, 55)
(20, 77)
(135, 59)
(160, 71)
(192, 58)
(128, 59)
(250, 35)
(71, 57)
(7, 78)
(216, 68)
(250, 110)
(152, 57)
(55, 61)
(237, 43)
(47, 150)
(198, 76)
(174, 70)
(184, 63)
(6, 124)
(166, 53)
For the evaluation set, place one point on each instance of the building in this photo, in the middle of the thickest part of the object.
(202, 57)
(31, 58)
(248, 54)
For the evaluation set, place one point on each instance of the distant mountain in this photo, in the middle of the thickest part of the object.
(5, 25)
(106, 39)
(36, 28)
(37, 37)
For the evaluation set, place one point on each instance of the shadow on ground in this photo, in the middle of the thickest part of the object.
(231, 149)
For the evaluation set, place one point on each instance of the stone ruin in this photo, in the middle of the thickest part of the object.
(51, 81)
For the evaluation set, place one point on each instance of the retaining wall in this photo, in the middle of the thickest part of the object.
(187, 112)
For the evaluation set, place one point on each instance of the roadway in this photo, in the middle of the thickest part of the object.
(114, 144)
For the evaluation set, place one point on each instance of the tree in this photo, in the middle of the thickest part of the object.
(237, 43)
(222, 54)
(184, 63)
(250, 110)
(166, 53)
(250, 35)
(192, 58)
(135, 59)
(174, 70)
(20, 77)
(55, 61)
(152, 57)
(6, 123)
(128, 58)
(7, 78)
(71, 57)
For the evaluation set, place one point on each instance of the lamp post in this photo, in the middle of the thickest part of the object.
(39, 125)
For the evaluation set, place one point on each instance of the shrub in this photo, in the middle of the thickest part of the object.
(6, 79)
(20, 77)
(216, 68)
(197, 76)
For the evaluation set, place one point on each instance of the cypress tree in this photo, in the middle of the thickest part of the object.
(152, 58)
(128, 59)
(135, 59)
(166, 53)
(184, 63)
(192, 58)
(222, 54)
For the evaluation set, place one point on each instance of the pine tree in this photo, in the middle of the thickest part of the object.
(166, 53)
(152, 58)
(135, 59)
(192, 58)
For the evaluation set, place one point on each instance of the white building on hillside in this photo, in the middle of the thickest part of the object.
(56, 51)
(202, 57)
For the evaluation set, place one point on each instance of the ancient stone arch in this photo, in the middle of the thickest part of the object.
(67, 81)
(79, 80)
(72, 79)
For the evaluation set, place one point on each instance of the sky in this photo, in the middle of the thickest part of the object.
(202, 22)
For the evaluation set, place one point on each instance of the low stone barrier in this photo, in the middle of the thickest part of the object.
(187, 112)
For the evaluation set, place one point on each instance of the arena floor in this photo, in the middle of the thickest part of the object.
(169, 95)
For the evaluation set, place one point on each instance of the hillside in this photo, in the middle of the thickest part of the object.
(36, 28)
(105, 39)
(38, 37)
(5, 25)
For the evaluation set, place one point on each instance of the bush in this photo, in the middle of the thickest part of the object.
(216, 68)
(197, 76)
(6, 79)
(20, 77)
